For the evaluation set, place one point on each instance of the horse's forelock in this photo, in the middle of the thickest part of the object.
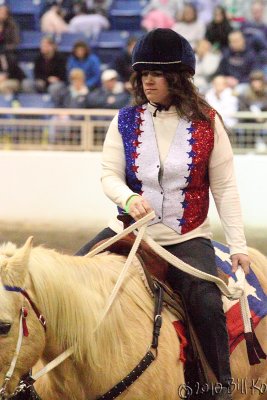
(7, 249)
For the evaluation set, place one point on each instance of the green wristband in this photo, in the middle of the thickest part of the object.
(129, 201)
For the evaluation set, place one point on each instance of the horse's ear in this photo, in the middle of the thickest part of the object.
(13, 274)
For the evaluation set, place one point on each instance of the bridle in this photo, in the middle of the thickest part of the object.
(23, 331)
(116, 390)
(29, 380)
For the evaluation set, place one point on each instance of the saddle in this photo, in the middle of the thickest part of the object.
(155, 269)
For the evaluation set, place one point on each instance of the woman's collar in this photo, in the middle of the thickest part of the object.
(160, 110)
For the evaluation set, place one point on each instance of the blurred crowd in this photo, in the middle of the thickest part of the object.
(229, 39)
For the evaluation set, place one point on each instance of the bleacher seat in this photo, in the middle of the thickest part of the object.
(38, 100)
(27, 68)
(126, 14)
(29, 45)
(26, 13)
(66, 41)
(5, 101)
(109, 44)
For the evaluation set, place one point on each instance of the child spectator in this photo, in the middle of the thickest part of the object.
(75, 95)
(221, 98)
(111, 94)
(207, 62)
(83, 58)
(190, 26)
(9, 30)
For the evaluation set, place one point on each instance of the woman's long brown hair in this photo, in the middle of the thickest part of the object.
(184, 94)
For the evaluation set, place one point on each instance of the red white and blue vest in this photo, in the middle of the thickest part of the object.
(181, 197)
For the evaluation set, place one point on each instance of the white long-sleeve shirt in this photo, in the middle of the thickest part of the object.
(221, 176)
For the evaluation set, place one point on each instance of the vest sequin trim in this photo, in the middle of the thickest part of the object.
(185, 207)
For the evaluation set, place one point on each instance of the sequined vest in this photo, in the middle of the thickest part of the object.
(180, 194)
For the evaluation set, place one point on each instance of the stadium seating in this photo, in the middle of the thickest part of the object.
(6, 100)
(26, 13)
(65, 41)
(29, 45)
(109, 44)
(126, 14)
(27, 68)
(38, 100)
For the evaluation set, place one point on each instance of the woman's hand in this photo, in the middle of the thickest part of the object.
(138, 207)
(242, 260)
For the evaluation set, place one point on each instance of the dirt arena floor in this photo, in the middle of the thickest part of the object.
(69, 241)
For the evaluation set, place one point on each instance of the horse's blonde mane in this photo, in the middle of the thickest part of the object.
(73, 292)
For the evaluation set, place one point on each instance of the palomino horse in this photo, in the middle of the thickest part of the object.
(71, 293)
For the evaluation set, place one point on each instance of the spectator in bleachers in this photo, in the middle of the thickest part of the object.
(219, 28)
(254, 97)
(190, 25)
(52, 21)
(237, 10)
(255, 25)
(160, 13)
(111, 94)
(255, 31)
(9, 30)
(91, 23)
(11, 75)
(66, 8)
(100, 6)
(205, 9)
(83, 58)
(123, 63)
(49, 70)
(222, 99)
(207, 62)
(239, 60)
(75, 95)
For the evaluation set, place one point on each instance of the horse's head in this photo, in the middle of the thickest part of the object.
(15, 282)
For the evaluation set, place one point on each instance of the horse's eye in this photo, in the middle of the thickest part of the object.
(4, 328)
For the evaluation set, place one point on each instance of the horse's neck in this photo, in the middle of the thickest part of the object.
(72, 294)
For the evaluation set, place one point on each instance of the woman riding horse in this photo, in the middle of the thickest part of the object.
(164, 154)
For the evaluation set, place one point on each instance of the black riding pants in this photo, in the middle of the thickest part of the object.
(203, 299)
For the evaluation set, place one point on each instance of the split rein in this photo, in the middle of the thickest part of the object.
(235, 292)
